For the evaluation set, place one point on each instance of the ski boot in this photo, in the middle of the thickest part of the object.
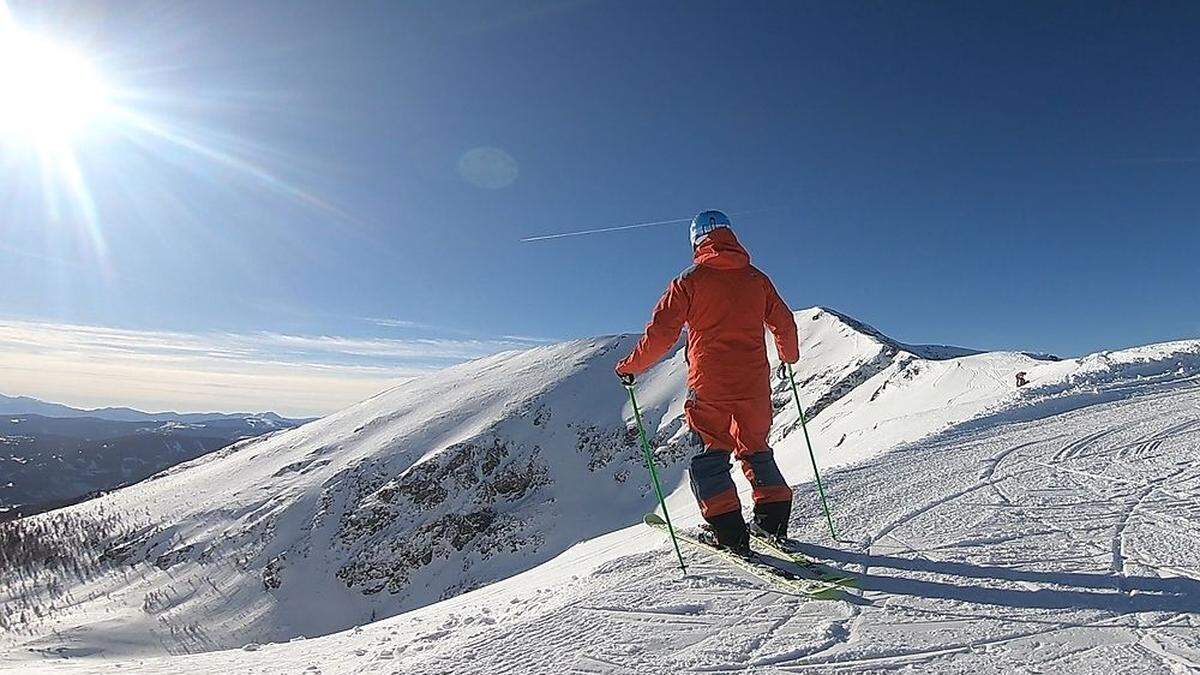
(771, 521)
(727, 532)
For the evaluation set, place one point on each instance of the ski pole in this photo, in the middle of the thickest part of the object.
(637, 415)
(811, 456)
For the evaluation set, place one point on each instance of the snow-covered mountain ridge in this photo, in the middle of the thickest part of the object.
(470, 475)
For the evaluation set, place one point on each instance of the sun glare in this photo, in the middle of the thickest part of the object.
(62, 120)
(48, 93)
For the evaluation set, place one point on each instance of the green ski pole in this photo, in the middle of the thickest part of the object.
(811, 456)
(637, 415)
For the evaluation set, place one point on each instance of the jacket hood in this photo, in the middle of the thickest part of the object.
(720, 250)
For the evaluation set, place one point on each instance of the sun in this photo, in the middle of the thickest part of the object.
(66, 124)
(49, 94)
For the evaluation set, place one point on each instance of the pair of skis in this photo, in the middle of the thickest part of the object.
(783, 548)
(817, 582)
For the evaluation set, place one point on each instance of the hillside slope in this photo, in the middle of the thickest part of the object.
(438, 486)
(1057, 534)
(445, 484)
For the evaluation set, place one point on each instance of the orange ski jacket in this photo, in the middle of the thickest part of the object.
(725, 302)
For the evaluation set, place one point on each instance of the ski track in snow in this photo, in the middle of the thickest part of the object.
(1068, 544)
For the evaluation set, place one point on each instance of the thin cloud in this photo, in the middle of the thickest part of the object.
(526, 339)
(419, 326)
(294, 374)
(399, 323)
(424, 349)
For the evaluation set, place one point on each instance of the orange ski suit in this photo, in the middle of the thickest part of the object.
(725, 302)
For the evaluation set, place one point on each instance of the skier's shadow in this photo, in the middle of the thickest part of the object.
(1103, 591)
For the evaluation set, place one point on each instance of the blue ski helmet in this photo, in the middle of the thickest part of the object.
(705, 222)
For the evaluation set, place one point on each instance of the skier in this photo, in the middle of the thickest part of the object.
(725, 302)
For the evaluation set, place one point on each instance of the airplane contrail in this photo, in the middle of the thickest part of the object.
(633, 226)
(580, 233)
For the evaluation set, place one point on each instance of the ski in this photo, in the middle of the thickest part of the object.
(759, 565)
(784, 550)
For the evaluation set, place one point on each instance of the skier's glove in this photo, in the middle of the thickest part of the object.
(626, 379)
(781, 371)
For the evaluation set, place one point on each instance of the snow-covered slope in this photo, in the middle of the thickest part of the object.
(432, 488)
(1062, 541)
(438, 486)
(462, 478)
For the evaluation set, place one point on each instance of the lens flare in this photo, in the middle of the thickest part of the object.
(50, 94)
(67, 128)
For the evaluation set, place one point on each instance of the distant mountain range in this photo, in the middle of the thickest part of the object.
(25, 405)
(53, 455)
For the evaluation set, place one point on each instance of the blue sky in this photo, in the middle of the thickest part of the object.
(344, 186)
